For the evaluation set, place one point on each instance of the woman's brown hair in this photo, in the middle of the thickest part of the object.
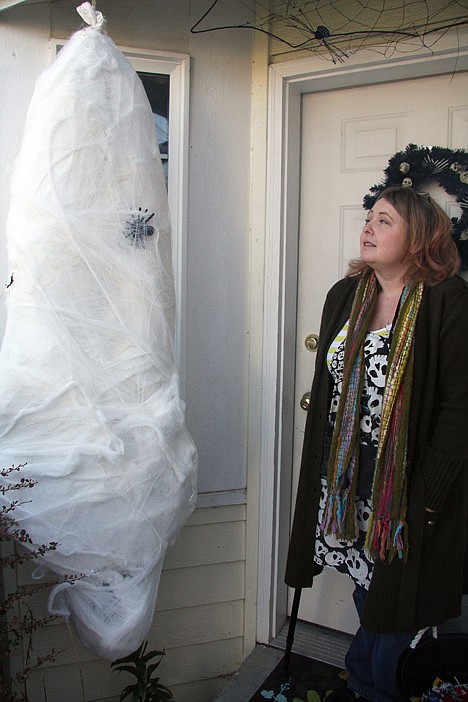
(431, 253)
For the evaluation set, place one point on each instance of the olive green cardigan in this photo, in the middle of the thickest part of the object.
(427, 589)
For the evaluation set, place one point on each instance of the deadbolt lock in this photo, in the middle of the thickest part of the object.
(305, 401)
(311, 342)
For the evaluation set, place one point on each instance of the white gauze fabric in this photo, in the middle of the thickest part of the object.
(89, 388)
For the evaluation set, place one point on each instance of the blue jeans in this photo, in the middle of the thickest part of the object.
(372, 659)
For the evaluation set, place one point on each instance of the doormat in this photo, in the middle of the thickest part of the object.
(305, 675)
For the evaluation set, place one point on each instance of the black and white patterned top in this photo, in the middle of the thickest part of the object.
(350, 557)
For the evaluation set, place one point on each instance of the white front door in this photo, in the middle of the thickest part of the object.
(347, 137)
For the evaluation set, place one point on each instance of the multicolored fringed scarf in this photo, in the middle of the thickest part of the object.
(387, 533)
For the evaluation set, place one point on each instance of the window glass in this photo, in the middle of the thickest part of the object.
(157, 89)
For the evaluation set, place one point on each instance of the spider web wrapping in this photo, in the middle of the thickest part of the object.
(89, 394)
(336, 29)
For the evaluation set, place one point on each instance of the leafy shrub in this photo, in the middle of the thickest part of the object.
(18, 621)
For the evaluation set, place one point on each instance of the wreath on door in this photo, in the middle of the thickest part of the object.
(416, 167)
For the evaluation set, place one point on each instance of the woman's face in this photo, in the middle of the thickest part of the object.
(383, 240)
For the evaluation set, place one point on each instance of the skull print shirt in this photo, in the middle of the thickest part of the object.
(350, 557)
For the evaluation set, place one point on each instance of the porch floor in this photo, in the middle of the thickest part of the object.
(311, 641)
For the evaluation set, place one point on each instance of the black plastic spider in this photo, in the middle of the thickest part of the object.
(137, 227)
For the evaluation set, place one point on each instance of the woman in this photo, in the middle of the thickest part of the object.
(383, 488)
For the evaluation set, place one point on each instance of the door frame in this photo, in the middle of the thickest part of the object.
(287, 83)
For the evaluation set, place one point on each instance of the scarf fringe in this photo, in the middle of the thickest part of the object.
(387, 538)
(338, 519)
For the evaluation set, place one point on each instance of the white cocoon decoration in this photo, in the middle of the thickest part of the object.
(89, 388)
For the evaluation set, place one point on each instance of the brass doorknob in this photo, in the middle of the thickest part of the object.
(311, 342)
(305, 401)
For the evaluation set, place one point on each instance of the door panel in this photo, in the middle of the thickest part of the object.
(348, 136)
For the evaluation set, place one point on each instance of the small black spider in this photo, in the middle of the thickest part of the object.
(322, 32)
(137, 227)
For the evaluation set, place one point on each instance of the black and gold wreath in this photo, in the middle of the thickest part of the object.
(416, 167)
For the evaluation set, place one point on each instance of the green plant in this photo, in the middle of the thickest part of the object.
(146, 688)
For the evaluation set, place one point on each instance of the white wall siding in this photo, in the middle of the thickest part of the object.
(218, 251)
